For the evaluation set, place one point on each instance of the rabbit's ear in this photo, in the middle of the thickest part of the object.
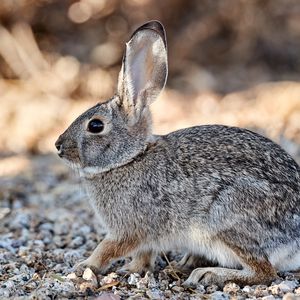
(144, 68)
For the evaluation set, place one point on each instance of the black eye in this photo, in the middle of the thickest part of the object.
(95, 126)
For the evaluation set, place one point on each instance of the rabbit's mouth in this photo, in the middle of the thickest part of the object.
(70, 154)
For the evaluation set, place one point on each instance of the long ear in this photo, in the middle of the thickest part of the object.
(144, 68)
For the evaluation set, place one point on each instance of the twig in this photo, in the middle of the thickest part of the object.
(171, 267)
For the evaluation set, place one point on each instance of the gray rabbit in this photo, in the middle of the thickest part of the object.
(224, 193)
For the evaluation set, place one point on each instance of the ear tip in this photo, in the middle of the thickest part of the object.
(156, 26)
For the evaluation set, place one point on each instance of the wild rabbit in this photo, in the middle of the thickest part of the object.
(224, 193)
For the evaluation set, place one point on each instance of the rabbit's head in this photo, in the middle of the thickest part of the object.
(112, 133)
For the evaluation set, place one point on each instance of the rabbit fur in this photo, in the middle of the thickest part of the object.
(224, 193)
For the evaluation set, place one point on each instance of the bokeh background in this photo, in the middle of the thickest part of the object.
(231, 62)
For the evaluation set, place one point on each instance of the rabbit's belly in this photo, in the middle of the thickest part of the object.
(200, 243)
(286, 258)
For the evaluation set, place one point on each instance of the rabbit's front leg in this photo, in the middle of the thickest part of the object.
(142, 261)
(106, 251)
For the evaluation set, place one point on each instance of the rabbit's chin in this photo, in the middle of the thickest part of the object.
(73, 165)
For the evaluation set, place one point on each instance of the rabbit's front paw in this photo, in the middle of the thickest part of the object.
(80, 267)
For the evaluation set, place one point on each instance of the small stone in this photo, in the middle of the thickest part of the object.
(154, 294)
(231, 288)
(89, 275)
(274, 289)
(134, 278)
(287, 286)
(72, 256)
(111, 277)
(72, 276)
(152, 284)
(291, 296)
(297, 291)
(108, 296)
(248, 289)
(261, 291)
(77, 242)
(212, 288)
(177, 289)
(46, 226)
(142, 283)
(218, 295)
(200, 289)
(168, 294)
(84, 230)
(269, 297)
(87, 285)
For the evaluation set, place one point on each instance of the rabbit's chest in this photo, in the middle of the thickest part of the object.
(109, 201)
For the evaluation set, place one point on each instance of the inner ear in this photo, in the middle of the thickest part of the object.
(144, 69)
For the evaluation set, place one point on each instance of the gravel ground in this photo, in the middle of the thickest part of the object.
(47, 226)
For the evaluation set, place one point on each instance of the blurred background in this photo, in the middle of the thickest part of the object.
(231, 62)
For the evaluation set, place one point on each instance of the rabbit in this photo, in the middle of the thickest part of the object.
(223, 193)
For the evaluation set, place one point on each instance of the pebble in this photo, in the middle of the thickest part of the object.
(297, 291)
(261, 291)
(111, 277)
(231, 288)
(71, 257)
(218, 295)
(248, 289)
(177, 289)
(89, 275)
(77, 242)
(212, 288)
(72, 276)
(287, 286)
(291, 296)
(134, 278)
(154, 294)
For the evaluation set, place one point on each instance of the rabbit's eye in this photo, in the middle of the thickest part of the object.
(95, 126)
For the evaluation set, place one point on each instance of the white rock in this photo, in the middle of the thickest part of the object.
(111, 277)
(154, 294)
(72, 276)
(287, 286)
(247, 289)
(218, 295)
(89, 275)
(134, 278)
(291, 296)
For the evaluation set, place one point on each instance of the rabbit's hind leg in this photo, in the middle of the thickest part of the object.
(256, 272)
(190, 261)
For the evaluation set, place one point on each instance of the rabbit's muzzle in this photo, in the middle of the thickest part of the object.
(66, 149)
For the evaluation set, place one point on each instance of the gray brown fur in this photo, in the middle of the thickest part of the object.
(224, 193)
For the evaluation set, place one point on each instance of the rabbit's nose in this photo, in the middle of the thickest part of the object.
(58, 145)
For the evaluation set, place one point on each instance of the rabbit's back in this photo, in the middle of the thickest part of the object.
(233, 152)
